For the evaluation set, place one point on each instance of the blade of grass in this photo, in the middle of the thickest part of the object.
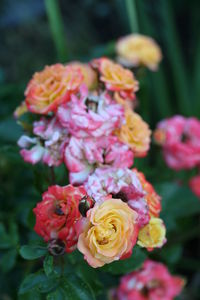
(172, 44)
(57, 28)
(158, 79)
(197, 82)
(132, 15)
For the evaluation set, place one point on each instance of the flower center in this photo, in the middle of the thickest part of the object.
(91, 104)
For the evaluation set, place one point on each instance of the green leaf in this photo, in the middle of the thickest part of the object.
(32, 281)
(8, 239)
(177, 201)
(127, 265)
(8, 260)
(58, 294)
(38, 281)
(76, 289)
(32, 251)
(48, 265)
(90, 276)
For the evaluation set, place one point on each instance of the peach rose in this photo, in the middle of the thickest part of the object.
(90, 76)
(51, 87)
(118, 79)
(135, 133)
(110, 233)
(136, 50)
(153, 234)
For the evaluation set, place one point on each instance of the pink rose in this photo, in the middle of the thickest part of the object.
(194, 184)
(120, 183)
(152, 282)
(180, 141)
(91, 115)
(48, 144)
(82, 156)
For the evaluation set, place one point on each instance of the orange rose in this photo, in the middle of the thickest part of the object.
(135, 133)
(110, 233)
(51, 87)
(117, 78)
(136, 50)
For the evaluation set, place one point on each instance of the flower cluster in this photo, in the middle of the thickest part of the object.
(179, 138)
(152, 282)
(84, 118)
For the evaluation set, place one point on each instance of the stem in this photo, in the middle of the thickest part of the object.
(132, 15)
(57, 28)
(52, 175)
(157, 79)
(171, 39)
(197, 81)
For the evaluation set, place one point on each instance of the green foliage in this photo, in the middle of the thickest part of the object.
(32, 251)
(127, 265)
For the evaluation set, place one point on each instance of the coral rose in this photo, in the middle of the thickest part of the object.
(52, 87)
(58, 213)
(110, 234)
(152, 198)
(151, 282)
(153, 234)
(135, 133)
(139, 50)
(194, 184)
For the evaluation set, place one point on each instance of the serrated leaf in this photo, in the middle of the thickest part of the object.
(127, 265)
(48, 265)
(32, 251)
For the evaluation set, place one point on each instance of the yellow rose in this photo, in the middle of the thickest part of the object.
(135, 133)
(110, 234)
(136, 50)
(117, 78)
(153, 234)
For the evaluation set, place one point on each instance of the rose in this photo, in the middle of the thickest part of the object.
(52, 87)
(109, 234)
(180, 139)
(116, 78)
(57, 214)
(139, 50)
(152, 198)
(90, 76)
(135, 133)
(153, 234)
(151, 282)
(91, 115)
(194, 184)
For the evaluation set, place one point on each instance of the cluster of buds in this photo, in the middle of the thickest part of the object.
(85, 119)
(179, 138)
(152, 282)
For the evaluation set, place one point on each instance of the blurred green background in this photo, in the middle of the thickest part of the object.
(35, 33)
